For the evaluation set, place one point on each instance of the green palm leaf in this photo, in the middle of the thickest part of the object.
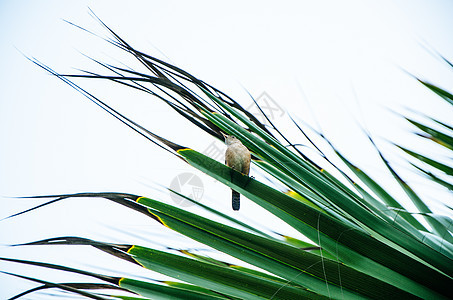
(364, 243)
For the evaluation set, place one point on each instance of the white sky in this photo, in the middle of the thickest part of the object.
(348, 59)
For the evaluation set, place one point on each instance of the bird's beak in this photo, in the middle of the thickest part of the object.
(224, 135)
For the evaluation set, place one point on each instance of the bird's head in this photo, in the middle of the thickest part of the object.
(230, 139)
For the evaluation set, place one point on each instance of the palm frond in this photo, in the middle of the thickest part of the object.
(364, 243)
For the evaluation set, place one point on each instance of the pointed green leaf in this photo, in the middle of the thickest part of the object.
(440, 166)
(441, 92)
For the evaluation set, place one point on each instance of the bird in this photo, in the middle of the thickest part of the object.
(237, 157)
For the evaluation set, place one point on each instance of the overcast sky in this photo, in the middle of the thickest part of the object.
(332, 64)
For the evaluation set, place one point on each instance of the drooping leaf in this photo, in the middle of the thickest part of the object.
(440, 166)
(441, 92)
(434, 135)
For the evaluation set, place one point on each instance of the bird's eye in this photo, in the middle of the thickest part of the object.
(233, 136)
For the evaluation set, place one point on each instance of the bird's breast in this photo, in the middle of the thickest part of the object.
(237, 156)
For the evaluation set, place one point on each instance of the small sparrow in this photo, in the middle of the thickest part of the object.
(237, 157)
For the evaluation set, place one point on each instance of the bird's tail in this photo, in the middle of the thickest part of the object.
(235, 200)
